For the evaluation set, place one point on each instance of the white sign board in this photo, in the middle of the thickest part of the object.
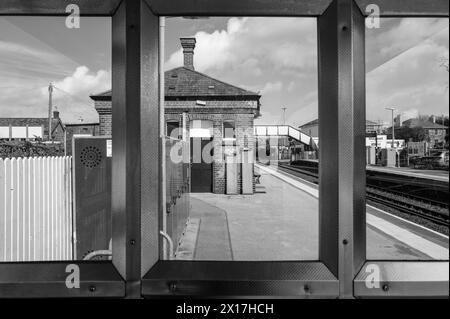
(108, 148)
(4, 131)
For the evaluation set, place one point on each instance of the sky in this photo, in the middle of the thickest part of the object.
(276, 57)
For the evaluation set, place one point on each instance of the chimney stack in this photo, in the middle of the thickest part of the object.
(56, 114)
(188, 45)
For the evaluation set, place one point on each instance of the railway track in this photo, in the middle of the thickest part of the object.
(404, 205)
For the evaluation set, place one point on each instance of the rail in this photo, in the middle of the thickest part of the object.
(435, 213)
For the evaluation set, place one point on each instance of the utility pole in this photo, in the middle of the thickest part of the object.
(284, 115)
(50, 108)
(393, 124)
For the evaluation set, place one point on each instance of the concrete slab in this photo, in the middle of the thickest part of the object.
(282, 224)
(402, 240)
(213, 239)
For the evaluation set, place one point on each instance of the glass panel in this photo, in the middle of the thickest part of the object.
(243, 192)
(55, 138)
(407, 139)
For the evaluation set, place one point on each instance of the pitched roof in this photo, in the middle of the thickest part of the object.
(314, 122)
(411, 123)
(187, 83)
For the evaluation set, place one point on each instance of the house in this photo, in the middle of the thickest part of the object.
(206, 112)
(311, 128)
(435, 133)
(31, 129)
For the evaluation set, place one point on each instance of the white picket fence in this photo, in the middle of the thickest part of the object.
(35, 209)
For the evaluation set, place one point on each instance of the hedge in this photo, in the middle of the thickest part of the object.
(10, 149)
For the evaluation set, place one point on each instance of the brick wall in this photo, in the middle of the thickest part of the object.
(241, 112)
(105, 124)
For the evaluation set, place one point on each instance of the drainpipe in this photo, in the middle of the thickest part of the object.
(170, 242)
(162, 26)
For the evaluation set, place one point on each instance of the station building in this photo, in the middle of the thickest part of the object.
(209, 113)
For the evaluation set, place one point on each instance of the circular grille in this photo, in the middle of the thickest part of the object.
(91, 156)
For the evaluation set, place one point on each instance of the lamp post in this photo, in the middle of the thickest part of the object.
(393, 124)
(50, 108)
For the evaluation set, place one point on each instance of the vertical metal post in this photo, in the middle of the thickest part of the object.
(342, 141)
(162, 26)
(136, 142)
(393, 125)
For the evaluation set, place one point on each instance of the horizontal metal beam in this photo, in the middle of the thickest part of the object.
(241, 279)
(58, 7)
(407, 8)
(239, 7)
(48, 280)
(389, 8)
(403, 279)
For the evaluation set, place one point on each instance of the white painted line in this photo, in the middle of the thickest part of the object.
(408, 173)
(423, 245)
(409, 222)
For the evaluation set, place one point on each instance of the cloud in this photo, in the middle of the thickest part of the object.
(84, 83)
(274, 56)
(413, 81)
(272, 87)
(397, 35)
(250, 44)
(70, 97)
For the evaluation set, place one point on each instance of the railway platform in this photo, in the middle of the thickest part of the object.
(282, 224)
(438, 175)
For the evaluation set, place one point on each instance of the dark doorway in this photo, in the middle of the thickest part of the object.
(201, 165)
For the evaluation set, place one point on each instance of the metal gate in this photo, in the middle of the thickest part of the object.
(92, 194)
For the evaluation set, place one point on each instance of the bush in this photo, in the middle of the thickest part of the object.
(10, 149)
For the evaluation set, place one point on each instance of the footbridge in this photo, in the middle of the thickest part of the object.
(284, 130)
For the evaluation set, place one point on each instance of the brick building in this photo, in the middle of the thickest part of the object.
(212, 114)
(80, 129)
(30, 129)
(434, 133)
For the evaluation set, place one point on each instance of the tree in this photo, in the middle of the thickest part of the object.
(415, 134)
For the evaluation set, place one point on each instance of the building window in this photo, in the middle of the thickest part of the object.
(229, 129)
(173, 129)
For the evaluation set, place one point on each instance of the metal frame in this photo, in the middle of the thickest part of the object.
(136, 269)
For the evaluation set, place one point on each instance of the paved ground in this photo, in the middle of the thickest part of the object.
(282, 224)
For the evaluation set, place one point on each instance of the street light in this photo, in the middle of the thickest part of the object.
(284, 115)
(393, 124)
